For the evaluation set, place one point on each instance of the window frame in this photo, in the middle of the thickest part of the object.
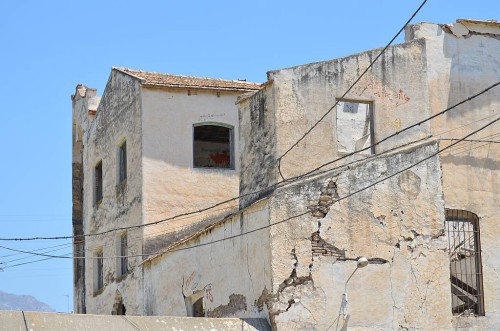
(459, 287)
(232, 158)
(122, 170)
(98, 269)
(122, 254)
(98, 183)
(371, 114)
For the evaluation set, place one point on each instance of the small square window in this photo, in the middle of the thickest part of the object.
(98, 182)
(213, 146)
(355, 127)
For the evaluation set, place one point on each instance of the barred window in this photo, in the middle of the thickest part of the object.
(465, 262)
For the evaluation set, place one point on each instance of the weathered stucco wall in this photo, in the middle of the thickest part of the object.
(117, 119)
(257, 145)
(463, 59)
(304, 93)
(230, 275)
(172, 185)
(437, 67)
(397, 225)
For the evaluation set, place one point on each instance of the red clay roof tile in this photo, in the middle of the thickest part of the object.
(159, 79)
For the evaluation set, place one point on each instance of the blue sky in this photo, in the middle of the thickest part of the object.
(47, 47)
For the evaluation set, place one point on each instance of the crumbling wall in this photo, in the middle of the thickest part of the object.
(462, 61)
(397, 225)
(228, 275)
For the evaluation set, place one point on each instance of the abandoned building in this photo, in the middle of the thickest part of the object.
(153, 146)
(383, 216)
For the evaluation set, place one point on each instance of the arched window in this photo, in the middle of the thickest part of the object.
(213, 146)
(466, 276)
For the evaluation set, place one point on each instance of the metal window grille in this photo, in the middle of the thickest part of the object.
(98, 182)
(122, 170)
(100, 270)
(123, 255)
(465, 262)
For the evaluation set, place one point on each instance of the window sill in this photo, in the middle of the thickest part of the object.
(98, 292)
(121, 277)
(120, 187)
(213, 168)
(97, 203)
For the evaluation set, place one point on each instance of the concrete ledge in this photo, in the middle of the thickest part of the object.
(37, 321)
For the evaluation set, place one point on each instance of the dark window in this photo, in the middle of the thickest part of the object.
(99, 272)
(198, 310)
(123, 255)
(355, 127)
(98, 182)
(465, 262)
(121, 310)
(212, 147)
(122, 162)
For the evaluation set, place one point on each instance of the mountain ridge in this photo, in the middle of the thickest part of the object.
(9, 301)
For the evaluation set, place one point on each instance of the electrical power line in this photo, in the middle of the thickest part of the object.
(38, 249)
(407, 128)
(30, 255)
(274, 186)
(350, 88)
(270, 224)
(24, 263)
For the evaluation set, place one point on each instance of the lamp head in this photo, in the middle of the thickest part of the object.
(362, 262)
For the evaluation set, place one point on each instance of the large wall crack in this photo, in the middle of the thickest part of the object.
(274, 301)
(320, 247)
(328, 196)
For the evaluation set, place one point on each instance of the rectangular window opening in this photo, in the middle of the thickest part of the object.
(98, 183)
(213, 147)
(99, 270)
(122, 162)
(354, 126)
(466, 276)
(123, 255)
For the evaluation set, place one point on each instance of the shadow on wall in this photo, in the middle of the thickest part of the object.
(473, 68)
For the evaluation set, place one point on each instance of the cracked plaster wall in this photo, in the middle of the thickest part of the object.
(463, 59)
(406, 284)
(229, 274)
(446, 64)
